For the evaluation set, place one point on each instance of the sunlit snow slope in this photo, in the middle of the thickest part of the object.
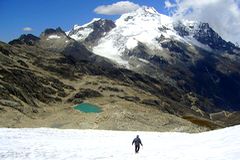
(93, 144)
(142, 25)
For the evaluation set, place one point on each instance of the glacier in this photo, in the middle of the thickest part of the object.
(71, 144)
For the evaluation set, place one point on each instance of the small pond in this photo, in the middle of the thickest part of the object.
(88, 108)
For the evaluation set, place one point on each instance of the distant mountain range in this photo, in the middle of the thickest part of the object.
(186, 64)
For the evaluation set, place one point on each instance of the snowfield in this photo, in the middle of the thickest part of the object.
(59, 144)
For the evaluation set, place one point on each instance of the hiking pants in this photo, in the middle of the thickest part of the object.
(137, 147)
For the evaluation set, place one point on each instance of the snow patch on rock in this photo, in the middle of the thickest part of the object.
(54, 36)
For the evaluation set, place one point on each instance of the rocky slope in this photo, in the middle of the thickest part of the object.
(39, 88)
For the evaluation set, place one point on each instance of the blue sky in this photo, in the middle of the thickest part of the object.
(41, 14)
(222, 15)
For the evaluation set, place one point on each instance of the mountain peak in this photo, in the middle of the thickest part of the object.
(94, 29)
(144, 16)
(28, 39)
(146, 9)
(144, 12)
(76, 26)
(50, 31)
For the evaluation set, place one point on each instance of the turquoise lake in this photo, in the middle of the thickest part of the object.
(88, 108)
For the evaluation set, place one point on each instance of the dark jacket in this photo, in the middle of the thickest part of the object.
(137, 141)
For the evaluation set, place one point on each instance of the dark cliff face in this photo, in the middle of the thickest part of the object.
(28, 39)
(77, 52)
(209, 81)
(100, 28)
(50, 31)
(206, 35)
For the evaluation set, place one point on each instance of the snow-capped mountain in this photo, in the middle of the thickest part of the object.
(179, 52)
(147, 26)
(144, 26)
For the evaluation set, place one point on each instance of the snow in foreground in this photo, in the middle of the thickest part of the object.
(93, 144)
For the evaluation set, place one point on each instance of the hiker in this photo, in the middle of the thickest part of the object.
(137, 142)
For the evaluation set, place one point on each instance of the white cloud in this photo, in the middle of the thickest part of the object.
(222, 15)
(117, 8)
(27, 29)
(169, 5)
